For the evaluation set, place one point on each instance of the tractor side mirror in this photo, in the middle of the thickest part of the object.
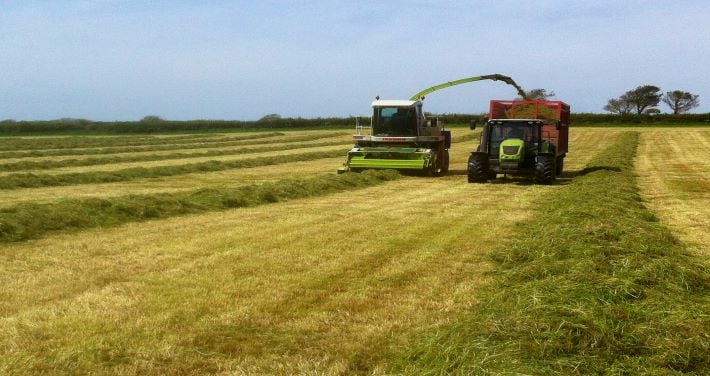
(473, 123)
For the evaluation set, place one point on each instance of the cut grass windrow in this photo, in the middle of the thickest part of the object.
(593, 284)
(258, 139)
(27, 221)
(92, 161)
(48, 165)
(43, 143)
(28, 180)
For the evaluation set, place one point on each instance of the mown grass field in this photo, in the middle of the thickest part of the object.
(246, 254)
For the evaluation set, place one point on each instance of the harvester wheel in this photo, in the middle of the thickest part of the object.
(478, 168)
(545, 170)
(560, 165)
(444, 165)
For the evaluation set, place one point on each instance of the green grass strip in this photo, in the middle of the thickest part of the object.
(92, 161)
(137, 149)
(10, 144)
(28, 180)
(593, 284)
(32, 220)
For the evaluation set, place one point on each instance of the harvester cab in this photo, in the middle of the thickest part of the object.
(522, 138)
(400, 137)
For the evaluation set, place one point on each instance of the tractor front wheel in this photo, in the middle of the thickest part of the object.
(478, 168)
(545, 170)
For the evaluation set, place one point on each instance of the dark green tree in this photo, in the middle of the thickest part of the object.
(680, 101)
(643, 97)
(270, 118)
(618, 106)
(151, 118)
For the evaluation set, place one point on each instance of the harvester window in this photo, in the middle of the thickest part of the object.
(394, 121)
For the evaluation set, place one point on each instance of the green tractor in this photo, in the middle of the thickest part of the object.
(401, 137)
(527, 138)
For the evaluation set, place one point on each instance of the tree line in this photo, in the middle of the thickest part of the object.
(645, 98)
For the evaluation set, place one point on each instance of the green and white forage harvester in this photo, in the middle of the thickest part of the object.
(522, 137)
(401, 137)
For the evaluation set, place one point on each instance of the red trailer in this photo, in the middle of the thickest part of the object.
(522, 137)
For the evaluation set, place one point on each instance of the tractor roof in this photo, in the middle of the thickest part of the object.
(393, 103)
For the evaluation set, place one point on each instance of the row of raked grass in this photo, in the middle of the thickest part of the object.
(31, 220)
(259, 139)
(28, 180)
(593, 284)
(44, 143)
(93, 161)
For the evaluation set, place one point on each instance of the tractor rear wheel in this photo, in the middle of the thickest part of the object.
(478, 168)
(560, 165)
(545, 170)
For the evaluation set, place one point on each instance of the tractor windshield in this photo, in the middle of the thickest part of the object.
(522, 130)
(394, 121)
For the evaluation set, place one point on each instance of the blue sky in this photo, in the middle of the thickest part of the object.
(122, 60)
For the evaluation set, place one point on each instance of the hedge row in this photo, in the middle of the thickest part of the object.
(82, 125)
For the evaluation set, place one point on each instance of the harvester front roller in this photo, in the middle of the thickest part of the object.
(412, 159)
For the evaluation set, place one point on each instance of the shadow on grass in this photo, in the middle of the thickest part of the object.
(566, 177)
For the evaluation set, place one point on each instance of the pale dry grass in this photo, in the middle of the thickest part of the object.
(187, 149)
(177, 183)
(181, 161)
(674, 171)
(199, 138)
(324, 284)
(227, 178)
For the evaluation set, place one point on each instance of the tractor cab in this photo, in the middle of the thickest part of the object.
(512, 144)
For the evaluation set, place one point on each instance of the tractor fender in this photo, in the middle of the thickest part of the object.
(551, 155)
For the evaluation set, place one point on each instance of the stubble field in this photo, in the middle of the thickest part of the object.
(244, 253)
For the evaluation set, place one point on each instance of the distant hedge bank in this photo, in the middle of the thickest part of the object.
(155, 126)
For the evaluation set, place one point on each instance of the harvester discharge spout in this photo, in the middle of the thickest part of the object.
(494, 77)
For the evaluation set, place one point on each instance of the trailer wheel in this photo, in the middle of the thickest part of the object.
(560, 165)
(545, 170)
(478, 168)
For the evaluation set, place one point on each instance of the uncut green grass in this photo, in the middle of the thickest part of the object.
(593, 284)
